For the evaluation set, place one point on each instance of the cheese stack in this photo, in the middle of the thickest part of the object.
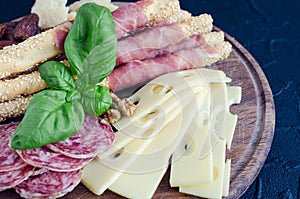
(173, 119)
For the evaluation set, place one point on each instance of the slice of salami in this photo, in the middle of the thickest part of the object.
(50, 184)
(95, 136)
(39, 171)
(10, 179)
(43, 157)
(9, 159)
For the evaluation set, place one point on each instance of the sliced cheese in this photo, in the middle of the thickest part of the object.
(99, 175)
(187, 168)
(160, 96)
(159, 91)
(151, 166)
(214, 189)
(226, 178)
(170, 114)
(223, 97)
(154, 123)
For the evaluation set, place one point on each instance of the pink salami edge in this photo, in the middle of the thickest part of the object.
(50, 184)
(10, 179)
(9, 159)
(95, 136)
(43, 157)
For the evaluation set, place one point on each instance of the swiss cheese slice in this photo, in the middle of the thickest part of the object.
(214, 189)
(187, 168)
(151, 166)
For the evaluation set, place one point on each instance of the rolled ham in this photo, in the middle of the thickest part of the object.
(131, 16)
(137, 72)
(157, 41)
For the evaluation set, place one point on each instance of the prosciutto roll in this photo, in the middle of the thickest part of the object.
(137, 72)
(131, 16)
(155, 40)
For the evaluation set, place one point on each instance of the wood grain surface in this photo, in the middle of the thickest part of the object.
(253, 135)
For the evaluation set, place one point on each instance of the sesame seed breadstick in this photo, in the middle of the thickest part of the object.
(14, 108)
(214, 38)
(22, 85)
(33, 51)
(197, 25)
(169, 10)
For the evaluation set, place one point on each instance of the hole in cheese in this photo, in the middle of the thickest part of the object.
(169, 89)
(148, 133)
(150, 115)
(117, 154)
(216, 173)
(157, 89)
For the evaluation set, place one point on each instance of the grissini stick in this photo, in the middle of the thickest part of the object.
(34, 50)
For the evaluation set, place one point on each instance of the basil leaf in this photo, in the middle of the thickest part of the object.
(91, 44)
(57, 76)
(95, 100)
(49, 118)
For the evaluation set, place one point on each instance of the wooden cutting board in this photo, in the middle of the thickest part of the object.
(253, 135)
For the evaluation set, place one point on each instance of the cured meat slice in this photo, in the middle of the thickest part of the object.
(9, 159)
(95, 136)
(128, 17)
(131, 16)
(9, 179)
(140, 45)
(49, 184)
(137, 72)
(145, 44)
(39, 171)
(43, 157)
(134, 51)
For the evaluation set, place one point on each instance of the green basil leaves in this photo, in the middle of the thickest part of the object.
(91, 44)
(54, 115)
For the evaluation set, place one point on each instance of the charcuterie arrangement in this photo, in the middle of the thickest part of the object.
(62, 70)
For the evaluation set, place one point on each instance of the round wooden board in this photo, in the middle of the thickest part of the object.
(253, 135)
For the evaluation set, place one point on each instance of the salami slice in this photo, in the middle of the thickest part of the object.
(39, 171)
(43, 157)
(9, 159)
(95, 136)
(9, 179)
(50, 184)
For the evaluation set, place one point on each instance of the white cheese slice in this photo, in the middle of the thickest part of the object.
(113, 164)
(151, 166)
(187, 168)
(159, 91)
(223, 97)
(226, 178)
(154, 123)
(160, 96)
(214, 189)
(99, 175)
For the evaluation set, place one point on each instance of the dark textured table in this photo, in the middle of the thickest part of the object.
(269, 30)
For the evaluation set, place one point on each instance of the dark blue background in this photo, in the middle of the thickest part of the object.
(269, 29)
